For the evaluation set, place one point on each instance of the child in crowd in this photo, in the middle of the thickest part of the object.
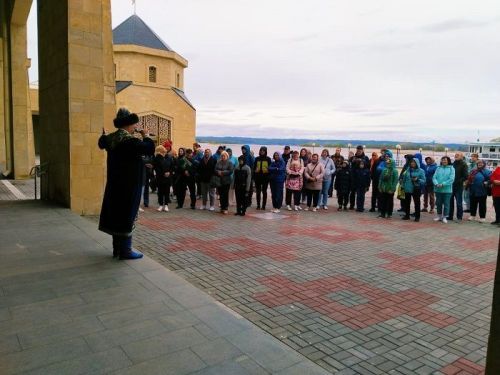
(343, 182)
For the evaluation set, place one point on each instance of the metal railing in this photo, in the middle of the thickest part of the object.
(38, 171)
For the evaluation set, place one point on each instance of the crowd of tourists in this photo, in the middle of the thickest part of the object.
(304, 181)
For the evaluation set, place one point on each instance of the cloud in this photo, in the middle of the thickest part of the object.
(454, 24)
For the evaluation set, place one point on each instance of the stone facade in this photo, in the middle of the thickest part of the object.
(77, 99)
(17, 155)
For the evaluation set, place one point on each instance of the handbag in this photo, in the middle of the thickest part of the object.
(401, 192)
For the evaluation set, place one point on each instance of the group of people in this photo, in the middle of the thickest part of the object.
(304, 180)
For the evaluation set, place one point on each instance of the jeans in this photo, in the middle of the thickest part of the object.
(443, 201)
(312, 197)
(296, 197)
(224, 197)
(277, 194)
(330, 190)
(416, 201)
(360, 198)
(466, 199)
(375, 195)
(386, 204)
(323, 201)
(207, 192)
(475, 202)
(496, 204)
(458, 194)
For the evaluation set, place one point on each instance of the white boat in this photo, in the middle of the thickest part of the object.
(487, 151)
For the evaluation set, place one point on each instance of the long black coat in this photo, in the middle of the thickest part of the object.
(343, 181)
(125, 177)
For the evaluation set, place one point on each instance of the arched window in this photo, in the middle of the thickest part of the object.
(152, 74)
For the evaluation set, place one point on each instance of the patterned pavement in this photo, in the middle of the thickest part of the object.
(354, 293)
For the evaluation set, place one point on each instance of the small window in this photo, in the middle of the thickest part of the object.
(178, 81)
(492, 149)
(152, 74)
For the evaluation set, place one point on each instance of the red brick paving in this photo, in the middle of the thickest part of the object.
(245, 248)
(463, 366)
(473, 273)
(333, 234)
(167, 223)
(484, 244)
(382, 305)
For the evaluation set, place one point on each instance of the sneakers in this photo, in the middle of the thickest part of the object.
(325, 207)
(315, 209)
(141, 209)
(482, 220)
(160, 209)
(212, 208)
(296, 208)
(471, 218)
(437, 218)
(288, 207)
(165, 208)
(277, 211)
(445, 220)
(299, 208)
(202, 207)
(306, 209)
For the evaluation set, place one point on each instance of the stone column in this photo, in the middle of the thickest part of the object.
(22, 125)
(77, 98)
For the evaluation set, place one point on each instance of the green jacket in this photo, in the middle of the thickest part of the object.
(388, 179)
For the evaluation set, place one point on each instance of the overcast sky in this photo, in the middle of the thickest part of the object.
(335, 69)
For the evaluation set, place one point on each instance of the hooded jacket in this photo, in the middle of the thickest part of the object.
(329, 167)
(476, 181)
(388, 179)
(277, 171)
(249, 159)
(429, 173)
(261, 165)
(407, 178)
(444, 175)
(242, 177)
(381, 164)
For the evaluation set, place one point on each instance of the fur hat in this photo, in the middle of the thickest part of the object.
(125, 118)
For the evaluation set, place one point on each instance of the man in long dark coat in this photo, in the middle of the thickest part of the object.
(125, 176)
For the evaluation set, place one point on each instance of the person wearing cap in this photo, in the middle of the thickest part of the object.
(286, 154)
(125, 176)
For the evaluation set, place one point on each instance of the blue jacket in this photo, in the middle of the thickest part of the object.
(477, 178)
(422, 164)
(445, 175)
(249, 159)
(407, 178)
(429, 173)
(361, 178)
(277, 171)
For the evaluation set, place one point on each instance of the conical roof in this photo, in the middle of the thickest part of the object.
(135, 31)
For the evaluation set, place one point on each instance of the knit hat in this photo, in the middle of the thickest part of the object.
(125, 118)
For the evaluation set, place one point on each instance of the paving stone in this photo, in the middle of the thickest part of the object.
(178, 363)
(103, 362)
(165, 343)
(224, 351)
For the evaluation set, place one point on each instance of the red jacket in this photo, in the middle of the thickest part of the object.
(495, 191)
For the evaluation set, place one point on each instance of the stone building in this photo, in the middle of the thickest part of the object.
(150, 82)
